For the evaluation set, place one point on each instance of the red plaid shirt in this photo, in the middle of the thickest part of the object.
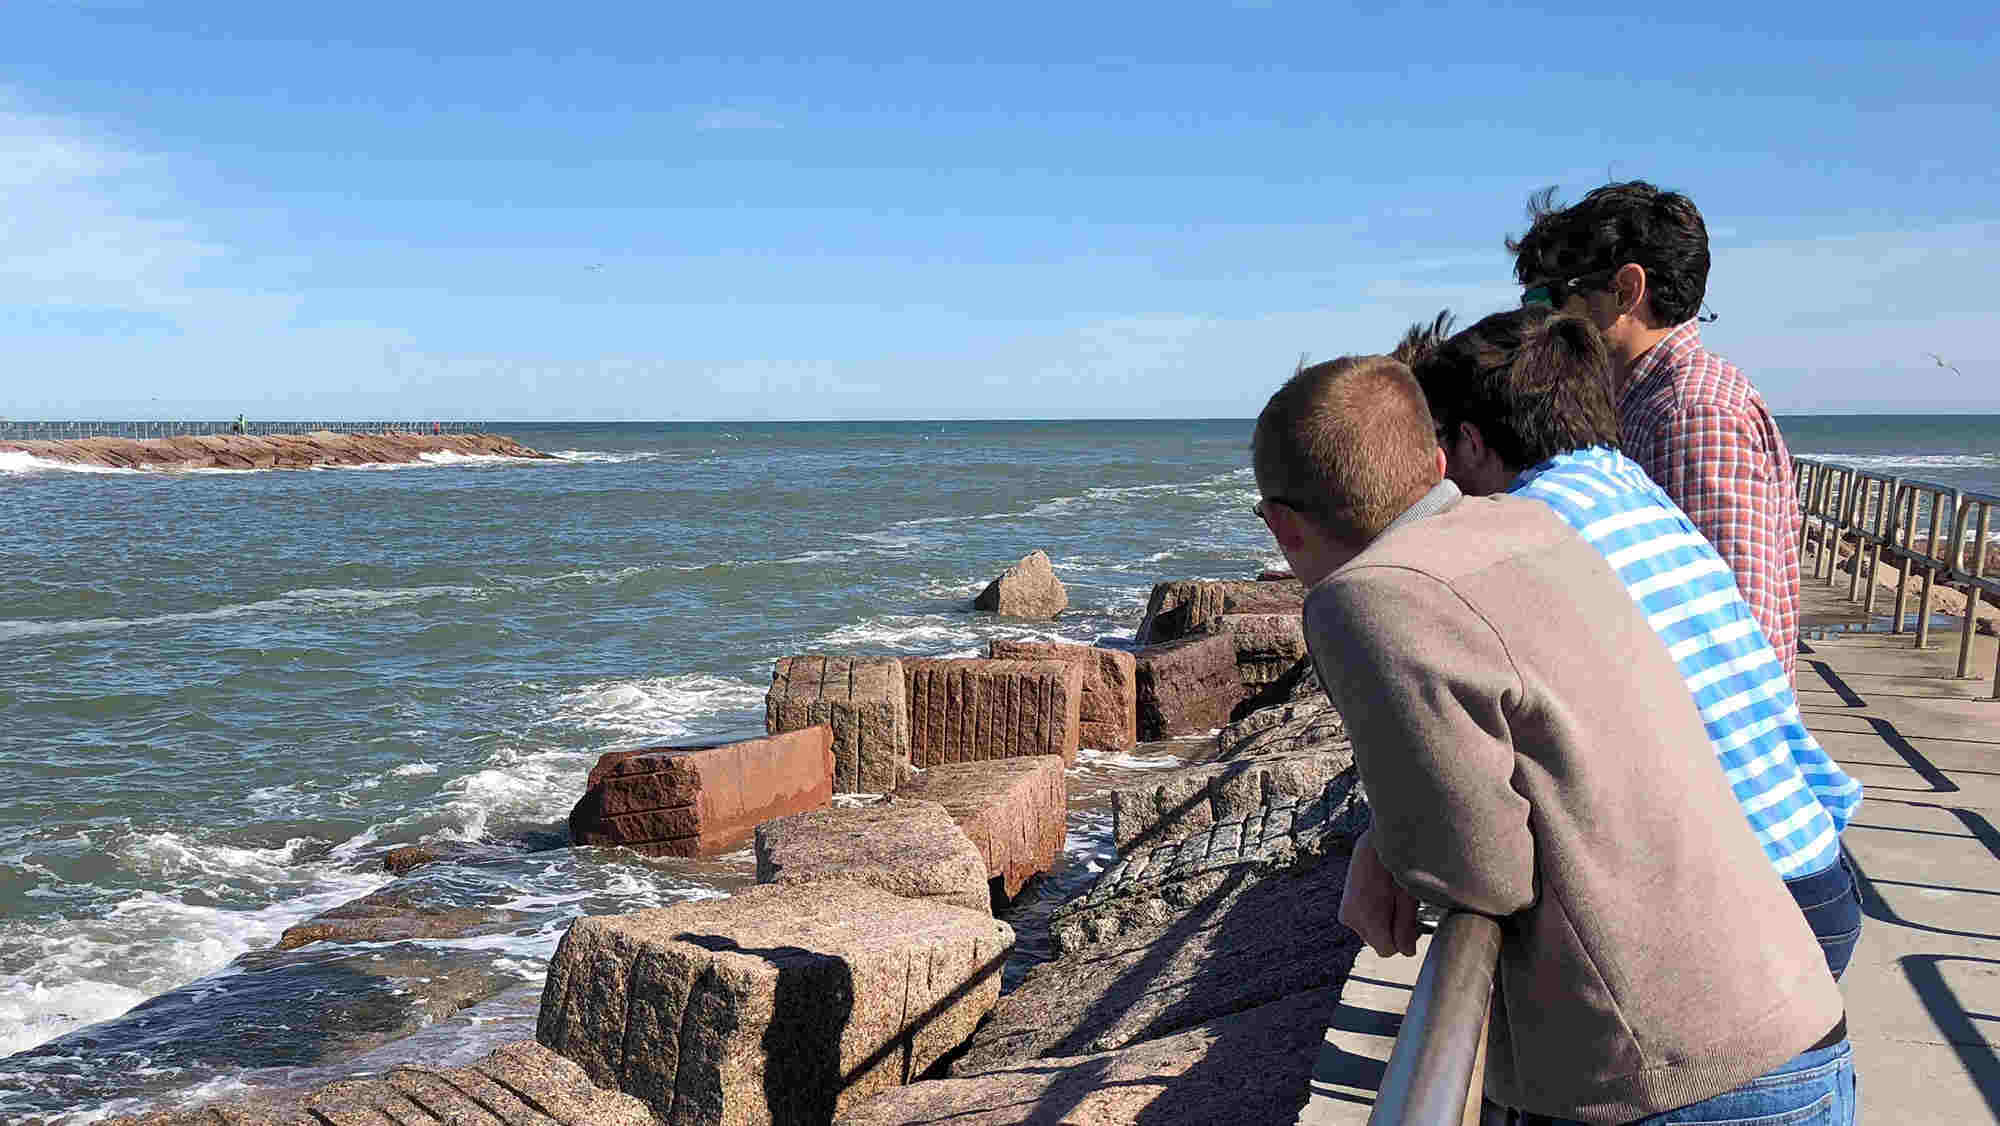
(1699, 429)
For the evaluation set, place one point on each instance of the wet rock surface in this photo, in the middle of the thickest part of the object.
(1109, 714)
(972, 709)
(1013, 810)
(1028, 589)
(1249, 1066)
(521, 1084)
(394, 914)
(781, 1004)
(904, 846)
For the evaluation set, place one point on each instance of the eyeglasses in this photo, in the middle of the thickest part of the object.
(1555, 292)
(1258, 509)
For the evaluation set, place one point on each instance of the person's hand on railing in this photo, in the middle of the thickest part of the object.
(1375, 906)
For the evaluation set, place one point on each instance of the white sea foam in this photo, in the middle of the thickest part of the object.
(532, 786)
(21, 461)
(311, 602)
(608, 457)
(80, 971)
(414, 770)
(453, 457)
(1233, 482)
(1910, 461)
(210, 1090)
(1125, 760)
(665, 707)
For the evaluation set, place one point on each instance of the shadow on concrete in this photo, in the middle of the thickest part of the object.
(1875, 907)
(1912, 757)
(1952, 1019)
(1836, 685)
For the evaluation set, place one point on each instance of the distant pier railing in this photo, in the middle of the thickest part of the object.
(57, 431)
(1880, 517)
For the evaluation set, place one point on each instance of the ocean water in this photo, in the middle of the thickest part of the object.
(1962, 451)
(224, 695)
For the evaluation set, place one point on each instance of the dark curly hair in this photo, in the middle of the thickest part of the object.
(1615, 224)
(1536, 383)
(1422, 338)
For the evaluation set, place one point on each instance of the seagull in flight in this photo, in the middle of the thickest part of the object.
(1946, 364)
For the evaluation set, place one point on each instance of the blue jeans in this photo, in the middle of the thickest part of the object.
(1815, 1089)
(1831, 902)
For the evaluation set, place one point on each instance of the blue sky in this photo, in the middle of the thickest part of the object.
(883, 211)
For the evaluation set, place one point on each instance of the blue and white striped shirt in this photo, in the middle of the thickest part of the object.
(1798, 800)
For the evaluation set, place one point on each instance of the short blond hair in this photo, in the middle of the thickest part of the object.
(1349, 443)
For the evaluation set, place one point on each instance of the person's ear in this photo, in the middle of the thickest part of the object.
(1475, 442)
(1442, 463)
(1629, 288)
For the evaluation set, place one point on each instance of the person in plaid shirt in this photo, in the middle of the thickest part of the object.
(1634, 259)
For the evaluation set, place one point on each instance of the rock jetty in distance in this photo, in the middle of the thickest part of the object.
(270, 451)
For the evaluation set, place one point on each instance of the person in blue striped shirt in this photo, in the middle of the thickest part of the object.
(1522, 400)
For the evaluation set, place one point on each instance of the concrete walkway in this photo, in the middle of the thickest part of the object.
(1923, 992)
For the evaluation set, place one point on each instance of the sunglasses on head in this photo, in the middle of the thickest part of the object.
(1555, 292)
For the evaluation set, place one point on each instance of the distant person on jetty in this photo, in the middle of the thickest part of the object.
(1634, 259)
(1522, 401)
(240, 426)
(1531, 754)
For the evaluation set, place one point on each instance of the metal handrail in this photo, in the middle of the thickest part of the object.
(54, 431)
(1882, 514)
(1437, 1070)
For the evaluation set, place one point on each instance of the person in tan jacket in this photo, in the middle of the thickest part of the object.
(1531, 754)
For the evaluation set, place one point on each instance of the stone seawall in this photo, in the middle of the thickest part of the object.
(270, 451)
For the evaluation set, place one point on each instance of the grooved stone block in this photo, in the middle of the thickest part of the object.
(1014, 810)
(971, 709)
(1110, 712)
(906, 847)
(779, 1004)
(702, 800)
(1267, 645)
(1186, 687)
(861, 698)
(1187, 607)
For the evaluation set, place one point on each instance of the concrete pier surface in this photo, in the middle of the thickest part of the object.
(1923, 991)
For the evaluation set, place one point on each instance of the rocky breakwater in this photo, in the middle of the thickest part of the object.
(271, 451)
(861, 982)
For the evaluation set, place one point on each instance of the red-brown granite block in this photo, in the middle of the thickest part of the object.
(703, 799)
